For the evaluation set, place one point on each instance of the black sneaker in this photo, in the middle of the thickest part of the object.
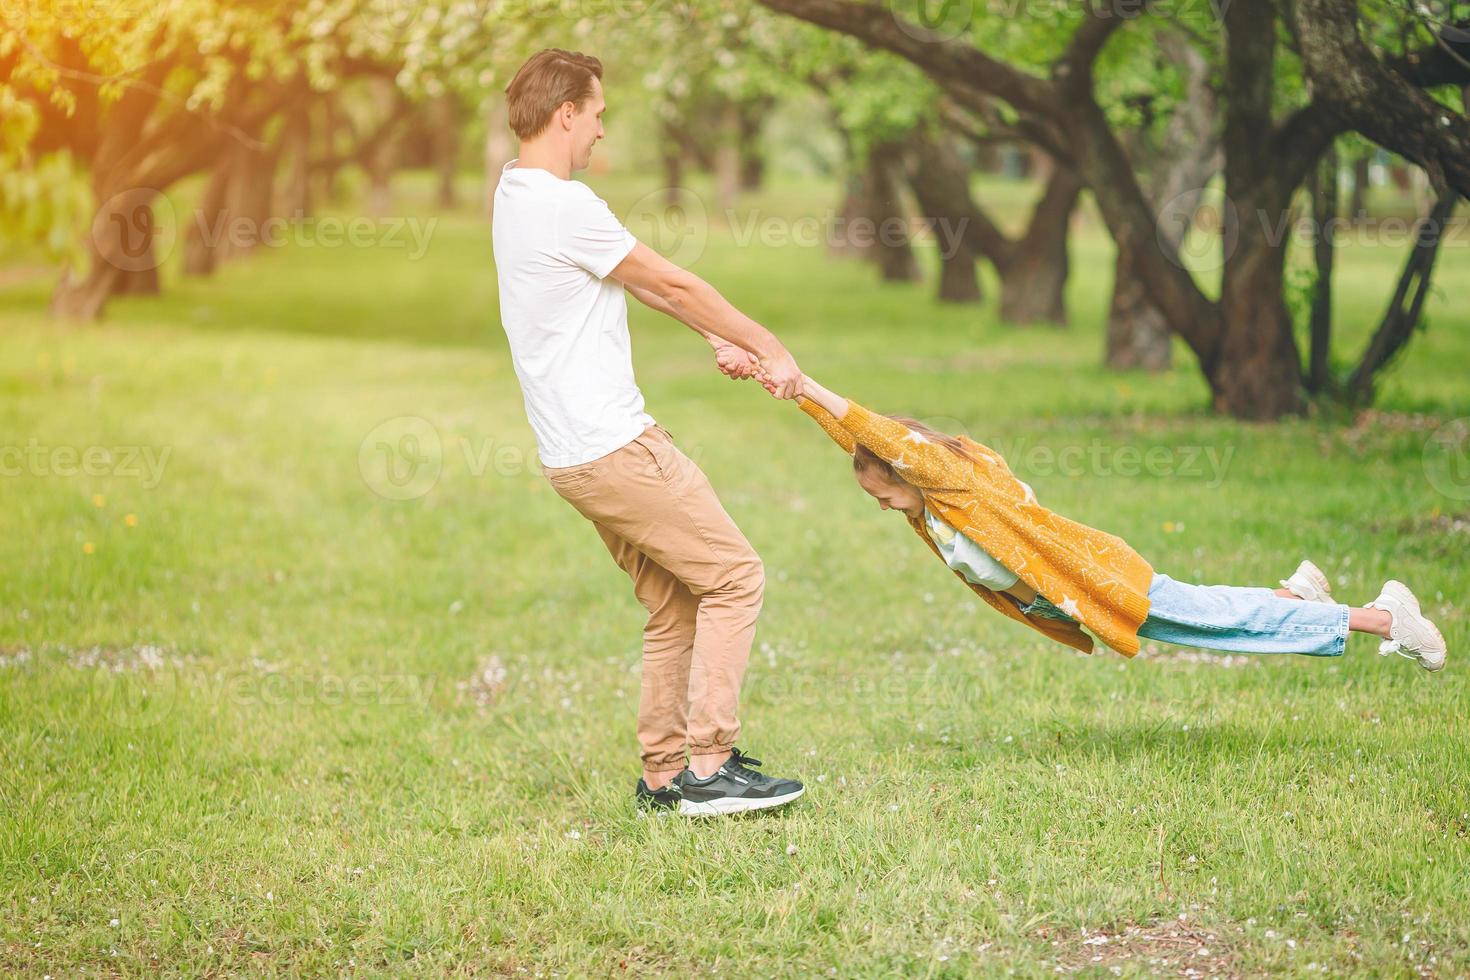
(663, 798)
(735, 788)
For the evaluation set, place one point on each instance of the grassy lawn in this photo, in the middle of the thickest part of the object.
(258, 716)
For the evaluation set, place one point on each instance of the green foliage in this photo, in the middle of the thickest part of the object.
(44, 204)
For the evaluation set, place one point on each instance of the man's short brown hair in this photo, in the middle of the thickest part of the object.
(544, 83)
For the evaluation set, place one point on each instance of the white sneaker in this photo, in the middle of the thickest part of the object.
(1410, 635)
(1308, 583)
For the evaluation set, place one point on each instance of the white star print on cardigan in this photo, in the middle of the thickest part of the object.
(1102, 582)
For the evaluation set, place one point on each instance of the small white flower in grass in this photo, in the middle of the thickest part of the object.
(893, 808)
(574, 834)
(115, 923)
(790, 850)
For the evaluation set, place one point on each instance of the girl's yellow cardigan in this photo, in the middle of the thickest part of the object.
(1091, 575)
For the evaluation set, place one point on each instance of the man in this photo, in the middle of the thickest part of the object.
(564, 262)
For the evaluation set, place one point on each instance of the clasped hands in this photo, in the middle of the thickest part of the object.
(779, 375)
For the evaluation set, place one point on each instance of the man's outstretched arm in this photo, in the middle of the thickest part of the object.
(686, 297)
(734, 362)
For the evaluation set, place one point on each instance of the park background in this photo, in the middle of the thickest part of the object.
(305, 669)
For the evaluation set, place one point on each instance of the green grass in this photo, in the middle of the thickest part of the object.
(307, 776)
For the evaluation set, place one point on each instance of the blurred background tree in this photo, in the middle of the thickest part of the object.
(1199, 136)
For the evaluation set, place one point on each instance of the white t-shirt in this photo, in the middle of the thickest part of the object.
(555, 242)
(977, 565)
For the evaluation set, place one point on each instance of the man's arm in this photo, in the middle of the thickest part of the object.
(732, 361)
(689, 299)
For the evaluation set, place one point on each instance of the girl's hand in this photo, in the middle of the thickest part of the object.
(767, 382)
(734, 362)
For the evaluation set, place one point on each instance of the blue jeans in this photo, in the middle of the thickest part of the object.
(1230, 617)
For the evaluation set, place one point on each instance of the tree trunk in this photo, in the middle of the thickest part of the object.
(211, 219)
(1259, 369)
(122, 253)
(853, 208)
(1033, 282)
(940, 179)
(295, 200)
(381, 159)
(498, 149)
(1324, 216)
(1033, 287)
(891, 247)
(380, 164)
(959, 278)
(1258, 373)
(752, 157)
(444, 120)
(234, 217)
(1181, 164)
(332, 124)
(1138, 334)
(1358, 204)
(727, 158)
(1407, 305)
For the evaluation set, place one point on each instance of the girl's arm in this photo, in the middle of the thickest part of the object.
(835, 405)
(827, 409)
(921, 462)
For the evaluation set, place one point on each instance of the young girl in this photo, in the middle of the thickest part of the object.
(1057, 576)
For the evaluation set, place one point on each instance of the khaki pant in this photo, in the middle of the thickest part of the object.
(694, 572)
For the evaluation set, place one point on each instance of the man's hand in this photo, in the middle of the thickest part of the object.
(734, 362)
(781, 376)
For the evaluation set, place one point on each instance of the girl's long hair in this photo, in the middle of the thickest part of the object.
(865, 461)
